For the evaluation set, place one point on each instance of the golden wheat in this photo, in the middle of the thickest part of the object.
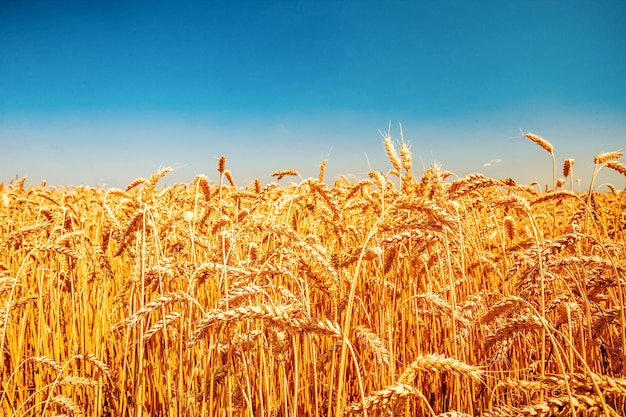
(426, 295)
(286, 172)
(601, 158)
(547, 146)
(621, 168)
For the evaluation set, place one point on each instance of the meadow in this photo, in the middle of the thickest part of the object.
(400, 294)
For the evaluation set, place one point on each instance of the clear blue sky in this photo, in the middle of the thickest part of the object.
(105, 92)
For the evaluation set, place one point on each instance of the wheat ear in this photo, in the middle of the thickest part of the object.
(439, 363)
(547, 146)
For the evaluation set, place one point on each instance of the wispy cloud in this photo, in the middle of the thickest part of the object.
(492, 162)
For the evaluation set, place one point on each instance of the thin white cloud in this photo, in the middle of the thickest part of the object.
(492, 162)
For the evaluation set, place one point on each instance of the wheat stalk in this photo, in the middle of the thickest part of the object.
(547, 146)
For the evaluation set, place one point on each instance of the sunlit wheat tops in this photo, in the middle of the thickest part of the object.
(606, 156)
(547, 146)
(617, 166)
(229, 177)
(568, 164)
(393, 156)
(221, 164)
(540, 141)
(322, 171)
(285, 172)
(601, 160)
(431, 296)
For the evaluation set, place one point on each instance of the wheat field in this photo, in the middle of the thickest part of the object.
(399, 294)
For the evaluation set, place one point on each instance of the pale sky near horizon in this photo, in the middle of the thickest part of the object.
(100, 94)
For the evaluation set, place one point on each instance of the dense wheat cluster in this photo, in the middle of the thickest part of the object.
(400, 294)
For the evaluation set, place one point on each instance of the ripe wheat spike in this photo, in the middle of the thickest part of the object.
(547, 146)
(601, 158)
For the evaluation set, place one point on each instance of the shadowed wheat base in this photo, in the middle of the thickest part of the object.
(394, 295)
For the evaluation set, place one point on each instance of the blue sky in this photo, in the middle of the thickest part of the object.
(100, 94)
